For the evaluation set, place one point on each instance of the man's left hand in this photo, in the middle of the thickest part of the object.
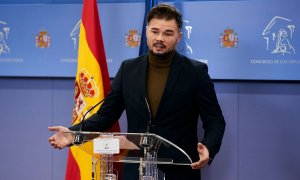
(203, 156)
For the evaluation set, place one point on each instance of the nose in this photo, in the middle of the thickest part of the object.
(160, 37)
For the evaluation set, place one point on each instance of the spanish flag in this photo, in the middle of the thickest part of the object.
(91, 86)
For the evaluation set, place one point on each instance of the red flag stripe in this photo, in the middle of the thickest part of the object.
(72, 171)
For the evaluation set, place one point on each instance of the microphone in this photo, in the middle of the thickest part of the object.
(146, 141)
(150, 117)
(78, 136)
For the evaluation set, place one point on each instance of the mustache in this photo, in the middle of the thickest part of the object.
(159, 43)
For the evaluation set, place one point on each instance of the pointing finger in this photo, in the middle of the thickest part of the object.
(53, 128)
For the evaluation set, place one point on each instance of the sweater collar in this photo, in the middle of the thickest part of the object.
(161, 62)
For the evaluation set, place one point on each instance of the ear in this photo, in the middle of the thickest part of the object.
(179, 37)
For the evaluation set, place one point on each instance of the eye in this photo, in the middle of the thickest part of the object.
(154, 32)
(168, 34)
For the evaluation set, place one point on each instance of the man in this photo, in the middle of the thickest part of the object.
(177, 90)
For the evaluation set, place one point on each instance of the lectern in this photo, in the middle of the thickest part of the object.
(146, 149)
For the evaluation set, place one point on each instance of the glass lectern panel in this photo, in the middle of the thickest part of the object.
(132, 147)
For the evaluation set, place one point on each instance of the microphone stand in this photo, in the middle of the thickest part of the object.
(145, 140)
(148, 164)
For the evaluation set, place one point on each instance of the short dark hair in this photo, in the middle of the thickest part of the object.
(167, 12)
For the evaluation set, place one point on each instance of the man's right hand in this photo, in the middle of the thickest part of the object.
(60, 139)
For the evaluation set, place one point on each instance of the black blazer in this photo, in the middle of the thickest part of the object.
(189, 92)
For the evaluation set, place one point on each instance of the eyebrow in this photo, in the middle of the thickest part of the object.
(168, 30)
(157, 29)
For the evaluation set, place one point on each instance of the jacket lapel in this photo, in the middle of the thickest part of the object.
(141, 82)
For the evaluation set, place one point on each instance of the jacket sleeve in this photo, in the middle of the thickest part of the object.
(210, 113)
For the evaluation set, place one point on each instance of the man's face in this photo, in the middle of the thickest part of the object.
(162, 36)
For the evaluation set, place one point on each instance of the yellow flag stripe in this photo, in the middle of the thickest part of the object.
(87, 61)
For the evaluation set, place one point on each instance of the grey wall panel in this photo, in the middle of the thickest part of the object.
(269, 133)
(261, 139)
(63, 100)
(225, 164)
(25, 107)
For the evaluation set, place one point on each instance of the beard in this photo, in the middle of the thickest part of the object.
(161, 55)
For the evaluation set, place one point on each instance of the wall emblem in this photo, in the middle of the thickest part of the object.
(279, 35)
(229, 39)
(184, 45)
(42, 39)
(132, 38)
(75, 34)
(4, 32)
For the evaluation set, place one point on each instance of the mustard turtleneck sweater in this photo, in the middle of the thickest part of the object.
(158, 71)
